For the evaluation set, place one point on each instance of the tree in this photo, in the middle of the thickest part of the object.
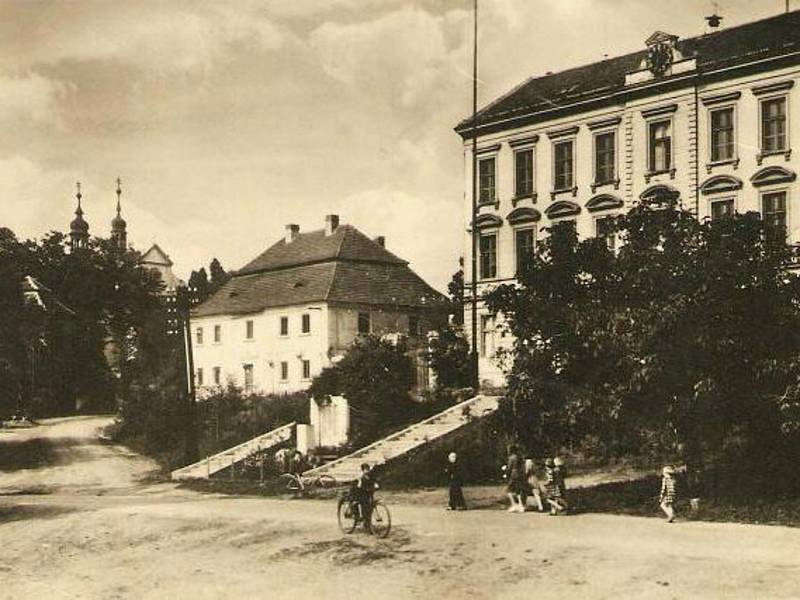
(456, 290)
(198, 281)
(376, 377)
(684, 338)
(219, 276)
(449, 357)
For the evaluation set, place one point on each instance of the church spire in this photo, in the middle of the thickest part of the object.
(79, 228)
(118, 225)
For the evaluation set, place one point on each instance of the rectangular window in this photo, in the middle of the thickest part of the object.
(248, 378)
(199, 377)
(604, 157)
(486, 180)
(199, 336)
(721, 209)
(722, 147)
(660, 146)
(284, 330)
(217, 375)
(523, 173)
(306, 369)
(524, 246)
(606, 229)
(487, 336)
(364, 325)
(413, 325)
(217, 334)
(773, 211)
(284, 371)
(488, 255)
(249, 330)
(773, 125)
(564, 167)
(305, 325)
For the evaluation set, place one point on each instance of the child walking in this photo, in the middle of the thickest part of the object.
(553, 487)
(668, 492)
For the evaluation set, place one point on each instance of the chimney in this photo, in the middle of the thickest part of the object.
(292, 232)
(331, 223)
(381, 241)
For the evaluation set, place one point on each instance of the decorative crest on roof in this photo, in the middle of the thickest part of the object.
(661, 52)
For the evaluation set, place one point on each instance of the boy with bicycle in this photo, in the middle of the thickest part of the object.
(364, 494)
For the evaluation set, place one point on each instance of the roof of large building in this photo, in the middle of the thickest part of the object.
(774, 36)
(343, 267)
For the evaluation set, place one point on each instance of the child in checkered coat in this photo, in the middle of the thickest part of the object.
(668, 492)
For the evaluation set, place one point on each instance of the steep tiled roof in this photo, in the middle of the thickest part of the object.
(344, 267)
(345, 243)
(767, 38)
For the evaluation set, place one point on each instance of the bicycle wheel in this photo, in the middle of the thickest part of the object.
(381, 520)
(293, 483)
(326, 481)
(347, 515)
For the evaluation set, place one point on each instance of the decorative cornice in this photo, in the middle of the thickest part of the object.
(555, 134)
(720, 183)
(720, 98)
(562, 208)
(487, 221)
(488, 149)
(523, 215)
(604, 202)
(659, 110)
(660, 191)
(608, 122)
(523, 141)
(772, 87)
(771, 175)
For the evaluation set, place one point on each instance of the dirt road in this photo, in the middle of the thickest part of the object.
(119, 537)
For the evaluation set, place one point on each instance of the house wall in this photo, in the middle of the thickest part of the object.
(333, 329)
(692, 167)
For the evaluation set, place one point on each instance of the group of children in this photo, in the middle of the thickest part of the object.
(522, 483)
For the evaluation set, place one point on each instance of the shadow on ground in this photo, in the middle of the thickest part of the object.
(25, 512)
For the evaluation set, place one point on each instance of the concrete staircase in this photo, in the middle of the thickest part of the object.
(348, 467)
(213, 464)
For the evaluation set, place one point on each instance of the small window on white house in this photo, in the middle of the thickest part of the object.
(284, 327)
(217, 375)
(488, 255)
(604, 159)
(523, 173)
(773, 125)
(364, 324)
(773, 211)
(217, 334)
(487, 336)
(486, 180)
(564, 170)
(306, 369)
(248, 378)
(199, 334)
(199, 377)
(284, 371)
(249, 330)
(524, 246)
(306, 323)
(722, 144)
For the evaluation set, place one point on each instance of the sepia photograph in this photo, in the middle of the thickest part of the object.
(399, 299)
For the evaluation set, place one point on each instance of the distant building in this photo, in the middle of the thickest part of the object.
(296, 307)
(708, 121)
(157, 260)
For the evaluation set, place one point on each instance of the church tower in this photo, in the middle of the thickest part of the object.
(79, 228)
(118, 225)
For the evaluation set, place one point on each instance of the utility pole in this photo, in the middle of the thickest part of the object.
(474, 218)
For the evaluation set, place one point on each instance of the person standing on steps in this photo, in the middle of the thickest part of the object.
(455, 480)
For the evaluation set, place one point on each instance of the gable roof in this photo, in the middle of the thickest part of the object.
(345, 243)
(156, 256)
(345, 267)
(771, 37)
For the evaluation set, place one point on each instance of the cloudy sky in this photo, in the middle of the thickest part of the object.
(227, 120)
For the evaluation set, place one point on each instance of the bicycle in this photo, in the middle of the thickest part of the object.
(299, 483)
(349, 515)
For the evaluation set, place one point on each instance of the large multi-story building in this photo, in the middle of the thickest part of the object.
(297, 306)
(709, 121)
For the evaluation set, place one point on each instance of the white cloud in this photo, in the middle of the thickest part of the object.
(29, 97)
(402, 55)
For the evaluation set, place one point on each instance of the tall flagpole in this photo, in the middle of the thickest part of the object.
(473, 228)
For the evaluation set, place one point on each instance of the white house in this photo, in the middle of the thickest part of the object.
(296, 307)
(709, 120)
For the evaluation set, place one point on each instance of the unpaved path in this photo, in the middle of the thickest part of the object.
(133, 540)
